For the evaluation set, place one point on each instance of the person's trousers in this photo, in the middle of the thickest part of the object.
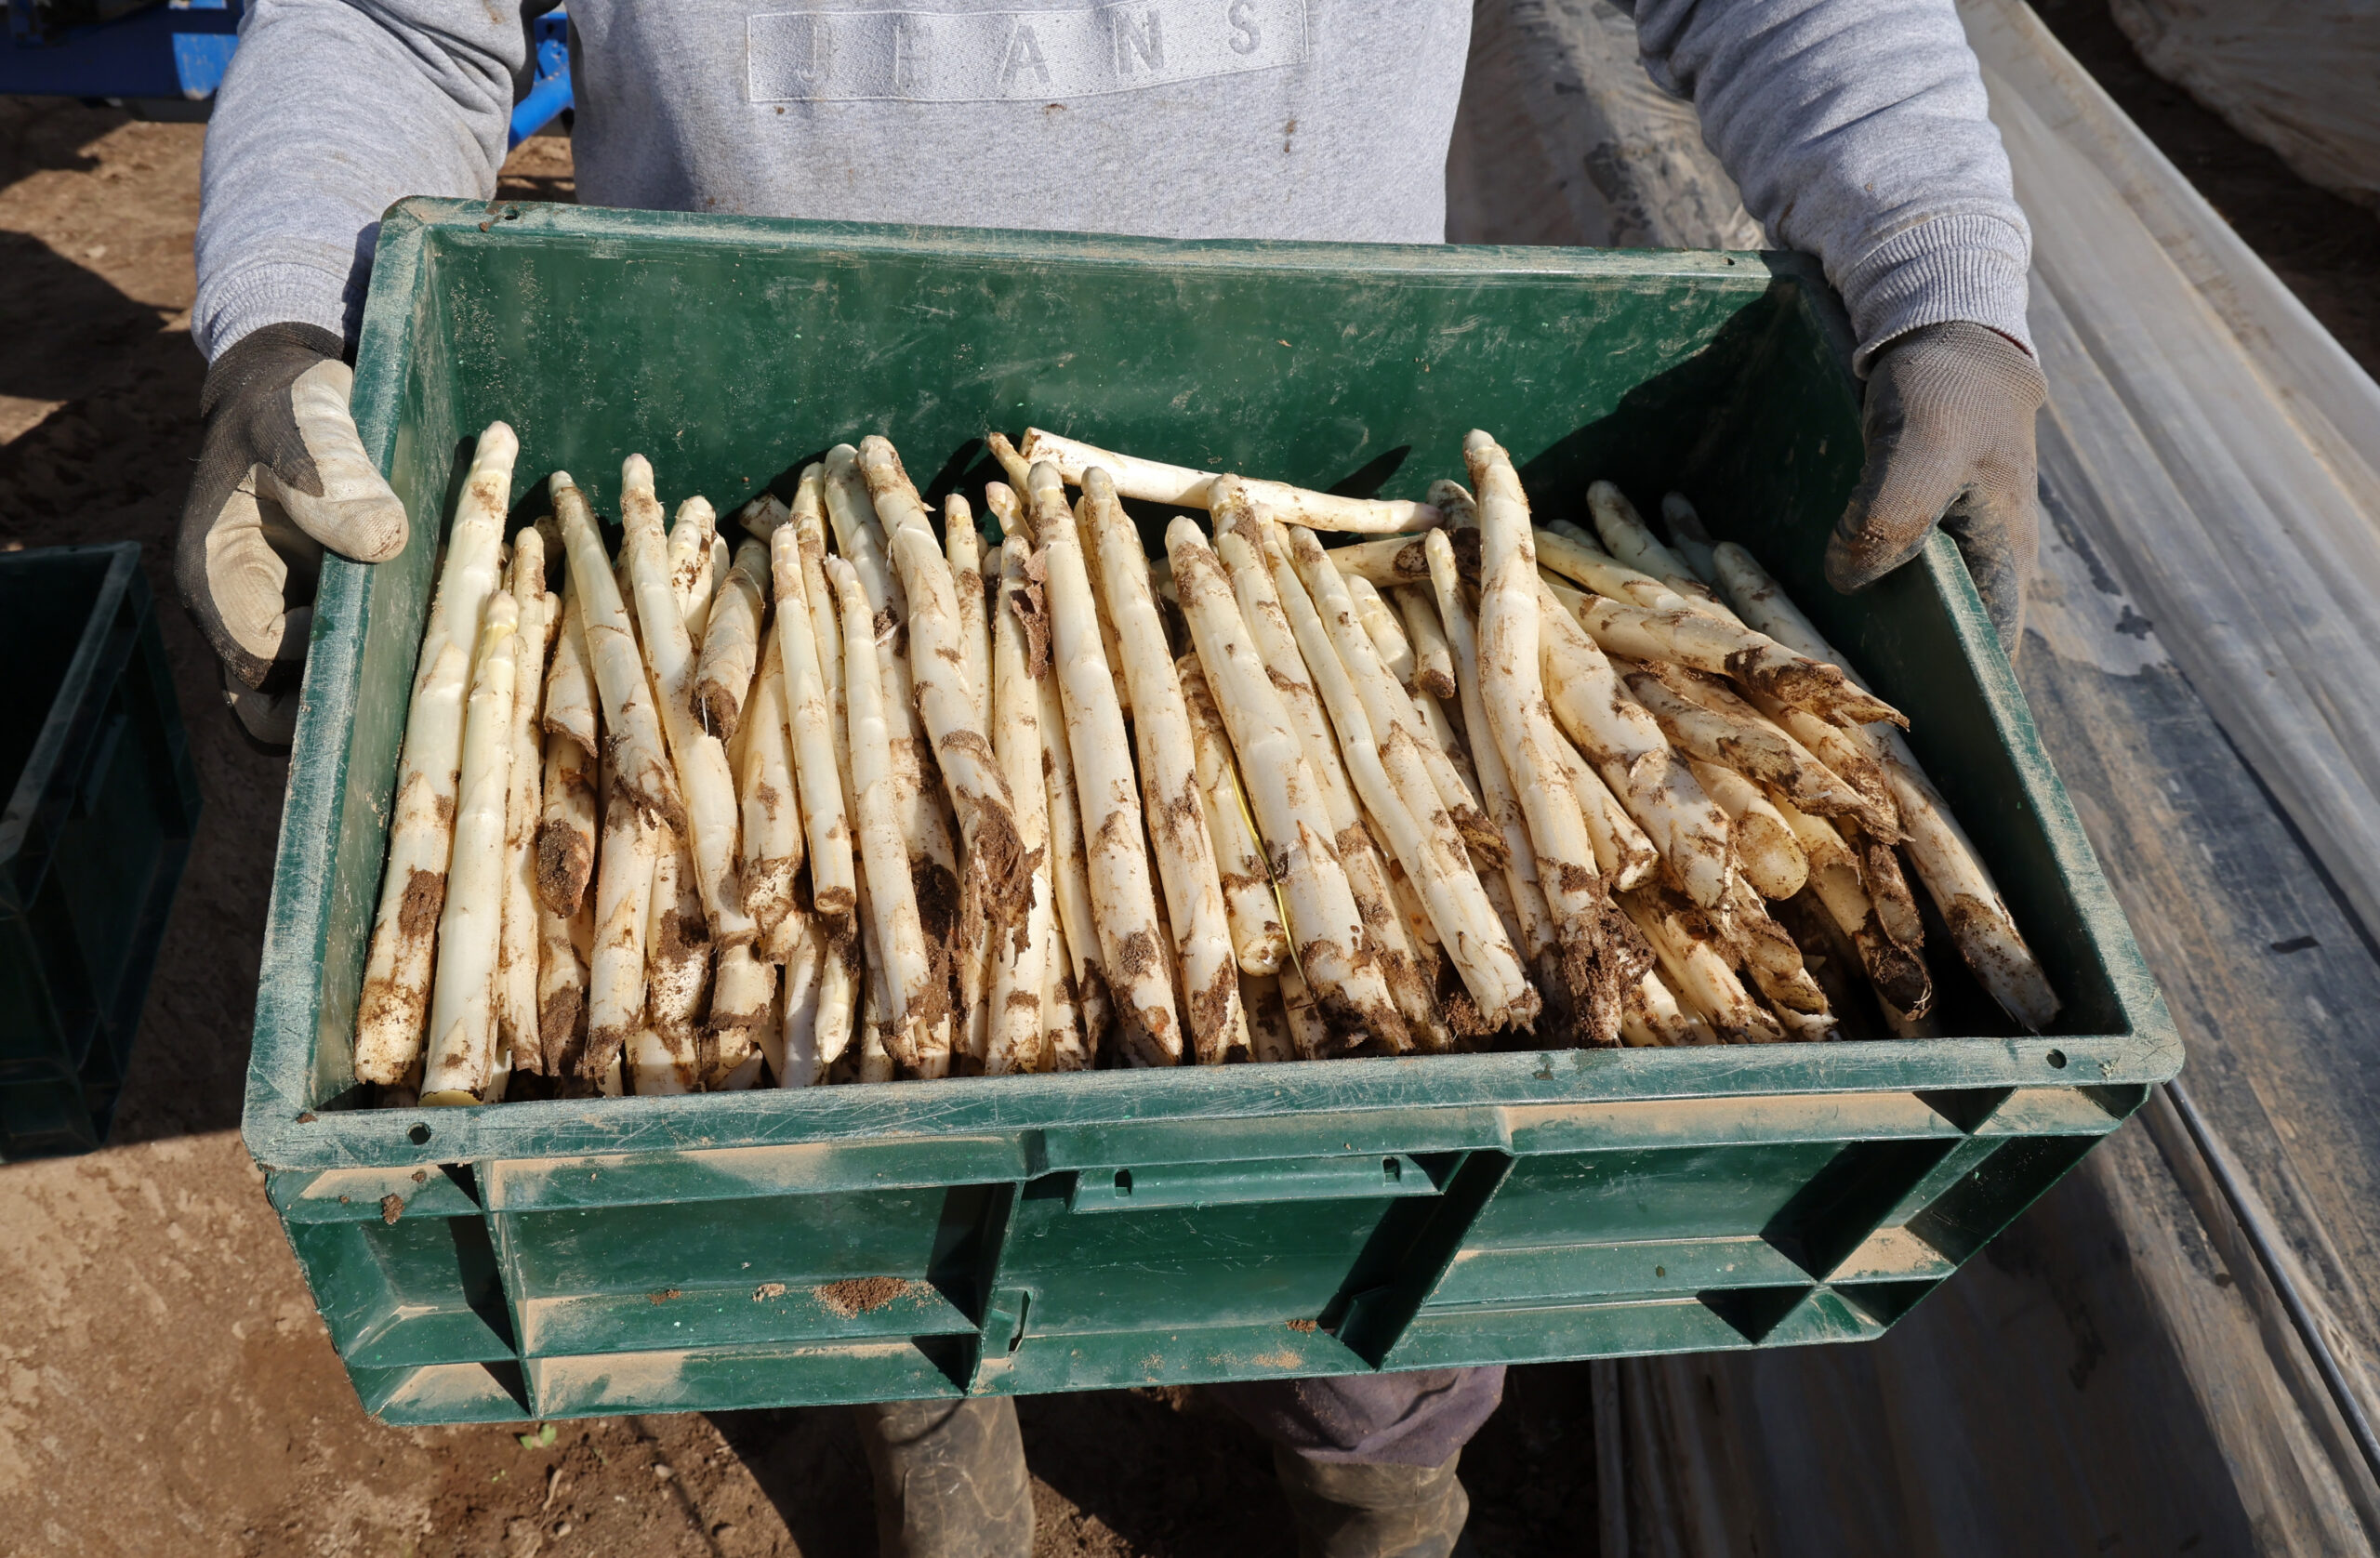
(1366, 1461)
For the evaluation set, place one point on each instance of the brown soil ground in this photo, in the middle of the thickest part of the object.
(164, 1384)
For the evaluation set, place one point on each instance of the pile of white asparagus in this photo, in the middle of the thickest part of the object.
(853, 800)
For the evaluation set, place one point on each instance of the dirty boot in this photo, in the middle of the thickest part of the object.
(1357, 1509)
(951, 1479)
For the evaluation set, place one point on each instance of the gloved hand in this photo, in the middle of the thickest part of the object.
(1949, 433)
(282, 474)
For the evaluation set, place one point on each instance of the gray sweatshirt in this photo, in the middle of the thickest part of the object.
(1856, 129)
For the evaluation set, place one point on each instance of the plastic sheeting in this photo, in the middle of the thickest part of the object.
(2301, 76)
(2214, 440)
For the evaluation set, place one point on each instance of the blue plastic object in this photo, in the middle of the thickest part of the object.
(178, 50)
(181, 50)
(550, 93)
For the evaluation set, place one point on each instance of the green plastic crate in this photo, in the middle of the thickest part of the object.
(100, 802)
(1114, 1228)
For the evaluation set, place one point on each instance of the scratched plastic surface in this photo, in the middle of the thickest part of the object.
(1126, 1228)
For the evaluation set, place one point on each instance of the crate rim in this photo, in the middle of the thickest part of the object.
(285, 1132)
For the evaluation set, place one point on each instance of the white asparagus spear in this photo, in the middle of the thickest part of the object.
(564, 941)
(1888, 887)
(1328, 932)
(810, 710)
(1009, 510)
(677, 963)
(1655, 1018)
(791, 1043)
(1108, 645)
(1693, 965)
(1386, 563)
(1598, 964)
(1431, 736)
(1709, 722)
(1257, 935)
(1123, 900)
(1627, 748)
(876, 1062)
(394, 1003)
(1703, 641)
(623, 899)
(1764, 843)
(1689, 541)
(839, 980)
(1245, 543)
(1538, 940)
(1309, 1030)
(762, 517)
(992, 883)
(1020, 954)
(743, 1006)
(1454, 500)
(732, 643)
(1898, 973)
(771, 831)
(1954, 876)
(565, 844)
(861, 539)
(914, 1001)
(394, 1006)
(1623, 853)
(516, 958)
(1268, 1019)
(1382, 627)
(632, 728)
(688, 550)
(1375, 723)
(1064, 1046)
(704, 779)
(1570, 551)
(1632, 542)
(1158, 483)
(464, 993)
(1176, 814)
(570, 692)
(1432, 659)
(1069, 861)
(973, 579)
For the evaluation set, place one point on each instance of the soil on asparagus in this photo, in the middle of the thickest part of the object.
(168, 1387)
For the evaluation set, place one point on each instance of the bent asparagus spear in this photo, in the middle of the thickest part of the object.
(639, 763)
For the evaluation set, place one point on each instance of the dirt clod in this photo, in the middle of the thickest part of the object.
(862, 1295)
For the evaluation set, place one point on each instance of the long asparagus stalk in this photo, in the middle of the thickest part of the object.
(810, 706)
(640, 762)
(1599, 963)
(1184, 853)
(1257, 936)
(704, 778)
(1124, 902)
(394, 1006)
(1020, 954)
(915, 998)
(1158, 482)
(1244, 539)
(516, 958)
(1537, 941)
(1327, 931)
(460, 1060)
(1373, 714)
(771, 831)
(1433, 658)
(732, 643)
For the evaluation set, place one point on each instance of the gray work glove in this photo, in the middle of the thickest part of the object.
(1949, 433)
(282, 474)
